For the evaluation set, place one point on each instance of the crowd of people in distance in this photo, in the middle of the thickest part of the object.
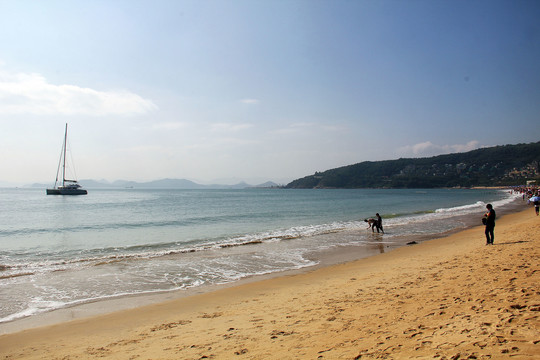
(527, 191)
(531, 193)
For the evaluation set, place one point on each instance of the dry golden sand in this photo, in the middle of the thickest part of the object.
(449, 298)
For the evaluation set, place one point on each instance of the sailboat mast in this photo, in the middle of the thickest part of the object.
(64, 162)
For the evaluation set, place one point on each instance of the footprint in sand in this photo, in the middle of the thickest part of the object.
(211, 316)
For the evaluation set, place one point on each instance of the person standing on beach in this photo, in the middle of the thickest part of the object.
(379, 223)
(490, 224)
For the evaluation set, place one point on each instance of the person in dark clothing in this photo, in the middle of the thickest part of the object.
(379, 223)
(371, 223)
(490, 224)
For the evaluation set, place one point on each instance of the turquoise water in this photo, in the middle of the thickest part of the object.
(58, 251)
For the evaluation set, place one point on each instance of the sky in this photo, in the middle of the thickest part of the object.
(231, 90)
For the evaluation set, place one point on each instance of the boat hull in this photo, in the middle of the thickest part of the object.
(66, 192)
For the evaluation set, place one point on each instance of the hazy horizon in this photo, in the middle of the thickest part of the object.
(223, 182)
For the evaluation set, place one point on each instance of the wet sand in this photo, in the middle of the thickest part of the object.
(448, 298)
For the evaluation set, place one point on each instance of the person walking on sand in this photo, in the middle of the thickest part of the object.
(379, 223)
(490, 224)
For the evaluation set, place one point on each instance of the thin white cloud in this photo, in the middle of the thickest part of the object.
(143, 149)
(230, 127)
(427, 148)
(29, 93)
(305, 126)
(284, 131)
(169, 125)
(219, 143)
(250, 101)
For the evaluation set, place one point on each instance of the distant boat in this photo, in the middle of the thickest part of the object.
(68, 187)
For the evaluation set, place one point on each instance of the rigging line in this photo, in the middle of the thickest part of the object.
(59, 163)
(72, 163)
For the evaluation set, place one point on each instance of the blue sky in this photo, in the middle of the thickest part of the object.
(260, 90)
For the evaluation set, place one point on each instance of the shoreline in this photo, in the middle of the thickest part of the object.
(326, 258)
(97, 307)
(283, 296)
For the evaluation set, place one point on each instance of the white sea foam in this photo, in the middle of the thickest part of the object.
(479, 205)
(468, 207)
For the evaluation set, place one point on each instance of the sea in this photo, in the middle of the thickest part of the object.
(61, 251)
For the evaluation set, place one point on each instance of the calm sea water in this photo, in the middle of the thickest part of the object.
(59, 251)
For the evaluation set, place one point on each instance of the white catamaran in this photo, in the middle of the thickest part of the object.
(68, 187)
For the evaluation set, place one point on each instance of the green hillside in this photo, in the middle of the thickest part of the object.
(499, 165)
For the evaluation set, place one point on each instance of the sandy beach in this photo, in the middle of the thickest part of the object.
(448, 298)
